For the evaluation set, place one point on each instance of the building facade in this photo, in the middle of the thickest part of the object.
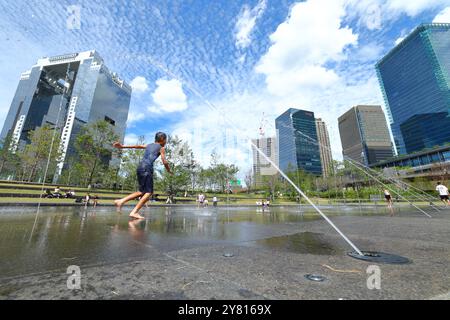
(261, 167)
(415, 81)
(67, 92)
(365, 135)
(297, 142)
(432, 164)
(323, 138)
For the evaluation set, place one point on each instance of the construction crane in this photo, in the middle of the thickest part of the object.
(262, 125)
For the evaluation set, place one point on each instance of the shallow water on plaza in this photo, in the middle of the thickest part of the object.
(79, 236)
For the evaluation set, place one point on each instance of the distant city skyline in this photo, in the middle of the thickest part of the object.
(259, 57)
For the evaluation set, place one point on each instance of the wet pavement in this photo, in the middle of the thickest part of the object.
(220, 253)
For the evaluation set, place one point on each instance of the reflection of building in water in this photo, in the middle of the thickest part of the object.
(415, 80)
(81, 85)
(262, 167)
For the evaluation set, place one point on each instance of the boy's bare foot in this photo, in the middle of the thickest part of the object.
(136, 216)
(118, 204)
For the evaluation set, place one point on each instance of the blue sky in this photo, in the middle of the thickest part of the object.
(208, 70)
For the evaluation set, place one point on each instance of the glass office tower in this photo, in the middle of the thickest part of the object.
(326, 157)
(365, 135)
(297, 142)
(262, 167)
(415, 81)
(67, 92)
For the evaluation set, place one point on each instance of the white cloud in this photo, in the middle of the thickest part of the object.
(296, 60)
(373, 13)
(443, 16)
(139, 84)
(413, 8)
(130, 139)
(369, 52)
(246, 23)
(134, 116)
(168, 97)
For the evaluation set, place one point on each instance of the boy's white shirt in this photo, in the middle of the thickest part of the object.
(443, 190)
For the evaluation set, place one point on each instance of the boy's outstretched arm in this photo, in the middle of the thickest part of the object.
(164, 160)
(118, 145)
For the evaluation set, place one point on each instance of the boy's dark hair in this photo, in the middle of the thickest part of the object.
(439, 182)
(159, 136)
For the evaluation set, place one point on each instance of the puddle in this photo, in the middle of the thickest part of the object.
(304, 242)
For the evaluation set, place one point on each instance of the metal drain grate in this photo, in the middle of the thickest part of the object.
(315, 277)
(380, 257)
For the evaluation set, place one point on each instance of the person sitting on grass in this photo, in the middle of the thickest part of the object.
(70, 194)
(57, 192)
(145, 172)
(48, 194)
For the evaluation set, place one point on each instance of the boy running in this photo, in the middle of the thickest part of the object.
(443, 193)
(145, 172)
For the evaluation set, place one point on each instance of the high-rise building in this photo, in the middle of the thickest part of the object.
(415, 81)
(262, 167)
(325, 147)
(67, 92)
(297, 142)
(365, 135)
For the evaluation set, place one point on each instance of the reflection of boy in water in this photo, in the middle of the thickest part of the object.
(145, 172)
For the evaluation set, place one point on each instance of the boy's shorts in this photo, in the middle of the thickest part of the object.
(145, 180)
(444, 197)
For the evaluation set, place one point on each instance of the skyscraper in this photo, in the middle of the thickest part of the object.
(415, 81)
(365, 135)
(325, 147)
(67, 92)
(262, 167)
(297, 141)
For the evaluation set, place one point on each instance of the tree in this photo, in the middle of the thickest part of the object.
(179, 156)
(94, 149)
(221, 173)
(43, 148)
(8, 159)
(272, 184)
(129, 162)
(249, 181)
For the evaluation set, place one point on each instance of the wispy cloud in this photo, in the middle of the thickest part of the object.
(246, 22)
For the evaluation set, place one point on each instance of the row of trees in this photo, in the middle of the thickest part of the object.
(345, 181)
(188, 175)
(93, 161)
